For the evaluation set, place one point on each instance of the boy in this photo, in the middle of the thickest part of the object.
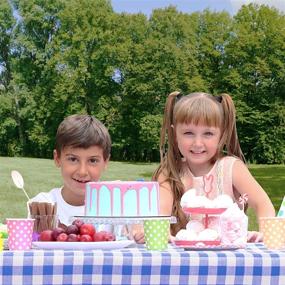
(82, 151)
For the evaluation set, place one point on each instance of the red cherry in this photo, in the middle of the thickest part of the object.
(87, 229)
(78, 223)
(46, 235)
(103, 236)
(86, 238)
(56, 232)
(72, 238)
(99, 236)
(62, 237)
(110, 237)
(72, 229)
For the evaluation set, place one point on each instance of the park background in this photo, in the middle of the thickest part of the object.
(60, 57)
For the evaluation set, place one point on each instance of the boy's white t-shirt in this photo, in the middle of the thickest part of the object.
(64, 210)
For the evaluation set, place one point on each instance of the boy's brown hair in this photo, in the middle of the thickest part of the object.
(82, 131)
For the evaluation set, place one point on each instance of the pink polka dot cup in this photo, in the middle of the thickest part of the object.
(20, 233)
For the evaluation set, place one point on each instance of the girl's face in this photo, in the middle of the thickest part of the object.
(198, 144)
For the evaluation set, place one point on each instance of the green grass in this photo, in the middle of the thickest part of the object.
(41, 175)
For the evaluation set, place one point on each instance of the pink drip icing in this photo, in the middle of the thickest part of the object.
(98, 198)
(149, 199)
(112, 201)
(124, 189)
(90, 200)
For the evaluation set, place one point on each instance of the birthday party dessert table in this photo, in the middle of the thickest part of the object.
(134, 264)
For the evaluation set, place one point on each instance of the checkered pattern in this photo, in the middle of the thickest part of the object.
(253, 265)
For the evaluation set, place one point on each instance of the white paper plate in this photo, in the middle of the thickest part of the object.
(83, 245)
(201, 247)
(209, 247)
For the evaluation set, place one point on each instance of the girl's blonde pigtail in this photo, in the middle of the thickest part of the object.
(166, 134)
(230, 137)
(170, 161)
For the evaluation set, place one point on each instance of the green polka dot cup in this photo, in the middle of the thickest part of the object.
(156, 233)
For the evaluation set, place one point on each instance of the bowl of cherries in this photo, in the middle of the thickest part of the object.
(78, 231)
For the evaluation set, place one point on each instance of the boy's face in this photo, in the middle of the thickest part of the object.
(79, 166)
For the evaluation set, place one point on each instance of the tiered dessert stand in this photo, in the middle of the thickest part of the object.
(206, 212)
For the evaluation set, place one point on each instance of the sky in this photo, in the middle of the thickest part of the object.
(190, 6)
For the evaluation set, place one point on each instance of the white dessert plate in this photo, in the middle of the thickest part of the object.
(213, 211)
(82, 245)
(197, 242)
(201, 246)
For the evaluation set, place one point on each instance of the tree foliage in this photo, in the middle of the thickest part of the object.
(60, 57)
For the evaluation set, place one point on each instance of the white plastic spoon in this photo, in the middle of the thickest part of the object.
(19, 181)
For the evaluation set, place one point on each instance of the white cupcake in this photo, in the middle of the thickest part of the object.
(186, 235)
(195, 226)
(199, 202)
(208, 234)
(223, 201)
(187, 197)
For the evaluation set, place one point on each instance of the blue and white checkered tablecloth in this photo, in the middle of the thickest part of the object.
(254, 265)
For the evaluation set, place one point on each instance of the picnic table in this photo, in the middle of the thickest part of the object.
(136, 265)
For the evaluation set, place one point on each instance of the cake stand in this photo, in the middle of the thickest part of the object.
(204, 211)
(120, 226)
(201, 243)
(121, 220)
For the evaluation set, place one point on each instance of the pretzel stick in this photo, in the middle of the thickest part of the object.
(54, 208)
(49, 209)
(34, 208)
(42, 222)
(34, 211)
(55, 213)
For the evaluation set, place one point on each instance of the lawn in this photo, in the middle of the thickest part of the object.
(42, 175)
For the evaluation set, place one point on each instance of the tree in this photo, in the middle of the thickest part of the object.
(255, 57)
(162, 59)
(212, 37)
(67, 56)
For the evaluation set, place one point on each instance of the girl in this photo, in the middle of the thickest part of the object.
(203, 152)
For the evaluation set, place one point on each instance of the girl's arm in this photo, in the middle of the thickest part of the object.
(165, 200)
(165, 207)
(244, 183)
(165, 196)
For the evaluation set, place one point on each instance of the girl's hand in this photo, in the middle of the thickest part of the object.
(254, 236)
(136, 233)
(139, 237)
(171, 238)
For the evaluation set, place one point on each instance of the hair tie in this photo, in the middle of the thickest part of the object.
(91, 118)
(178, 97)
(219, 98)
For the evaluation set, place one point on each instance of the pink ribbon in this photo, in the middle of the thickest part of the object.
(243, 200)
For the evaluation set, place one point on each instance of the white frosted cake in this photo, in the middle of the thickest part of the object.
(122, 198)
